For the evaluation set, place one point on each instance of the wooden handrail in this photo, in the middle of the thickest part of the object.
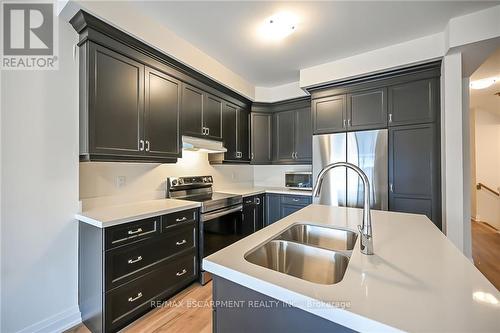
(481, 185)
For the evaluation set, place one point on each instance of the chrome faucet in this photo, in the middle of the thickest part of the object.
(365, 229)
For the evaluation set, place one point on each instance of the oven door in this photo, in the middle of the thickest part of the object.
(219, 229)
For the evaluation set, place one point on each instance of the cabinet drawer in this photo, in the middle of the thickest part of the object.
(184, 216)
(125, 303)
(128, 262)
(295, 200)
(130, 232)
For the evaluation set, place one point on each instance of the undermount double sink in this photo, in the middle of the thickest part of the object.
(309, 252)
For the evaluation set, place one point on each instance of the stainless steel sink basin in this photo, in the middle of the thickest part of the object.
(327, 238)
(302, 261)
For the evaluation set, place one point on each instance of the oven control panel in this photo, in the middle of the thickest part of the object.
(189, 182)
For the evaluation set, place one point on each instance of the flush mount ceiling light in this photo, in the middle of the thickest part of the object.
(483, 84)
(278, 26)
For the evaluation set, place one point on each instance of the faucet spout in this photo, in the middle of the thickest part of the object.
(365, 229)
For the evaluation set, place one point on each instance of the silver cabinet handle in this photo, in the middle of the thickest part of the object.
(348, 122)
(181, 273)
(133, 232)
(344, 124)
(296, 155)
(257, 200)
(181, 242)
(390, 117)
(252, 156)
(147, 145)
(133, 299)
(204, 131)
(391, 188)
(133, 261)
(181, 219)
(295, 200)
(141, 145)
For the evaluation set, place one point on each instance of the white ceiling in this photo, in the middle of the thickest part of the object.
(485, 99)
(327, 31)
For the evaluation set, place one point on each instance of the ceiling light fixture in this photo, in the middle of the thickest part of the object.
(483, 84)
(278, 26)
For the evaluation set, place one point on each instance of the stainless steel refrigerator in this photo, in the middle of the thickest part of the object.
(341, 187)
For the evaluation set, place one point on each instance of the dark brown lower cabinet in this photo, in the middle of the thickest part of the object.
(125, 269)
(254, 313)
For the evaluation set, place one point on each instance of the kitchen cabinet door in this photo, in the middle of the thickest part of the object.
(212, 117)
(329, 114)
(261, 138)
(284, 138)
(162, 114)
(192, 111)
(367, 109)
(272, 208)
(413, 102)
(287, 209)
(303, 136)
(414, 171)
(243, 134)
(229, 120)
(116, 103)
(249, 216)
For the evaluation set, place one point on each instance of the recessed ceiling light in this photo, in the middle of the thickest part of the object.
(278, 26)
(483, 84)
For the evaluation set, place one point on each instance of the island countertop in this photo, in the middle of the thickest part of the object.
(416, 281)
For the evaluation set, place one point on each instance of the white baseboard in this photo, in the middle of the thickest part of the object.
(57, 323)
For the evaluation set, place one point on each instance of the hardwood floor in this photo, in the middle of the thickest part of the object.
(188, 311)
(486, 251)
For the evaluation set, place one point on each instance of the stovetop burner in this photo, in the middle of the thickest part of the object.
(199, 189)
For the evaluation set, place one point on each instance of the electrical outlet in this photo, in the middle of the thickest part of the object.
(120, 181)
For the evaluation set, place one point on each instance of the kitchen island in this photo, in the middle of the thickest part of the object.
(417, 280)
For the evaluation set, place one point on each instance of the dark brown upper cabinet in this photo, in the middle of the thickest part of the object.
(414, 102)
(293, 137)
(212, 116)
(261, 126)
(329, 114)
(359, 110)
(133, 111)
(201, 114)
(162, 114)
(192, 111)
(235, 133)
(367, 109)
(136, 102)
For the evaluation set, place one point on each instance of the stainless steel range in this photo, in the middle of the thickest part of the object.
(220, 218)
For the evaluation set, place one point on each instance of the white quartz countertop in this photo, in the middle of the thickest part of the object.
(112, 215)
(249, 191)
(416, 281)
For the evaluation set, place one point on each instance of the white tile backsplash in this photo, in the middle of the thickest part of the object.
(144, 181)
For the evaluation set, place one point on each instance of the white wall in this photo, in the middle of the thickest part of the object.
(39, 194)
(274, 175)
(487, 137)
(279, 93)
(146, 181)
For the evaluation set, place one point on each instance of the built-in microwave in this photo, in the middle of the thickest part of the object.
(299, 180)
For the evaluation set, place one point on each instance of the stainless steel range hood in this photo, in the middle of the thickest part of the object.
(205, 145)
